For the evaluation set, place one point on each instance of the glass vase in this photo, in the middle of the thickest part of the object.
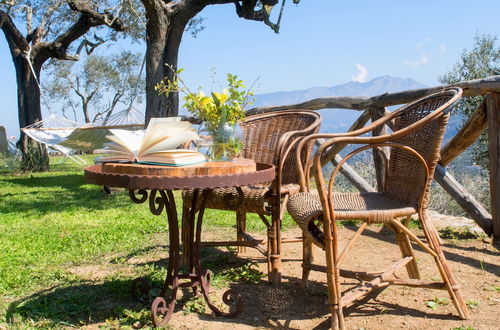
(223, 144)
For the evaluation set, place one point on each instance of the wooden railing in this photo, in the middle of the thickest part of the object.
(487, 116)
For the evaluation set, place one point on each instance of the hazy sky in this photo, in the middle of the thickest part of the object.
(321, 43)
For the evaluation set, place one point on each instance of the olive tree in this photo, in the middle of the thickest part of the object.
(481, 61)
(95, 86)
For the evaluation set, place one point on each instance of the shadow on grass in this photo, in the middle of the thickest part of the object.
(66, 181)
(75, 305)
(68, 194)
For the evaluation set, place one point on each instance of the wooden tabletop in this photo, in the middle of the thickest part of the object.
(208, 175)
(237, 166)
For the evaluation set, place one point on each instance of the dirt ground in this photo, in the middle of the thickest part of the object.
(475, 264)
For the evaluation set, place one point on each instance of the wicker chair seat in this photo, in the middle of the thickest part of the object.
(254, 199)
(370, 207)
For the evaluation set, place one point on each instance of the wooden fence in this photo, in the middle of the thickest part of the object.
(487, 116)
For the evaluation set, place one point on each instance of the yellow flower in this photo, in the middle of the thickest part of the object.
(222, 97)
(206, 101)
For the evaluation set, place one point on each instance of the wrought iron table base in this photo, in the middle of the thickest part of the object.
(162, 307)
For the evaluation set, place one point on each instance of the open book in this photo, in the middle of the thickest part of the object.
(155, 145)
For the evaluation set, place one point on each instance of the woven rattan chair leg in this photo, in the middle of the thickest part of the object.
(241, 227)
(273, 257)
(445, 271)
(185, 235)
(274, 242)
(307, 259)
(337, 310)
(338, 314)
(406, 249)
(452, 286)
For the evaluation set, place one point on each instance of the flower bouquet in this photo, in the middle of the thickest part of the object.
(220, 113)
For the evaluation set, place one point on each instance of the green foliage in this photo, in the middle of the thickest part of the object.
(492, 288)
(482, 61)
(436, 302)
(472, 304)
(458, 233)
(244, 273)
(463, 327)
(56, 16)
(10, 163)
(194, 305)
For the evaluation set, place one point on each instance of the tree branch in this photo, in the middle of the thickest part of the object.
(89, 45)
(89, 18)
(95, 18)
(247, 10)
(16, 41)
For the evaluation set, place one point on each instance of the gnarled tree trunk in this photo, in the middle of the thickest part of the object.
(34, 154)
(165, 28)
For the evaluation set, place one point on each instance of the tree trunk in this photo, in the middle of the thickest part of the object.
(85, 108)
(35, 156)
(164, 36)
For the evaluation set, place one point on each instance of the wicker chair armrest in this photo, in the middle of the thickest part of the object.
(301, 168)
(285, 145)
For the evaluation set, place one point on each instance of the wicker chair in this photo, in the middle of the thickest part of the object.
(267, 138)
(417, 133)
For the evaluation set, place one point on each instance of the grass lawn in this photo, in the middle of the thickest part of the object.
(53, 225)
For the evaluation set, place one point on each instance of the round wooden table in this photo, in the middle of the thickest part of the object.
(160, 181)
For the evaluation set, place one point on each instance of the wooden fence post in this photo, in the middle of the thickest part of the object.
(474, 209)
(493, 112)
(467, 135)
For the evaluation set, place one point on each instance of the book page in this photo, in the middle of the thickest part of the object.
(130, 140)
(171, 142)
(115, 151)
(160, 129)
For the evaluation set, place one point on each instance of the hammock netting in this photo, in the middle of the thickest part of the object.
(57, 132)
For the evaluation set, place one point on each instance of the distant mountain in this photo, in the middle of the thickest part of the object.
(373, 87)
(339, 120)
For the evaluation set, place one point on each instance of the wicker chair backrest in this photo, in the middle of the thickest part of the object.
(406, 175)
(261, 134)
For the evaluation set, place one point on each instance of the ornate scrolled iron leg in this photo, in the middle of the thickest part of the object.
(138, 200)
(161, 312)
(230, 297)
(173, 232)
(161, 309)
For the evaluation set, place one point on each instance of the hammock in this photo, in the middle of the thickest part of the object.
(67, 136)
